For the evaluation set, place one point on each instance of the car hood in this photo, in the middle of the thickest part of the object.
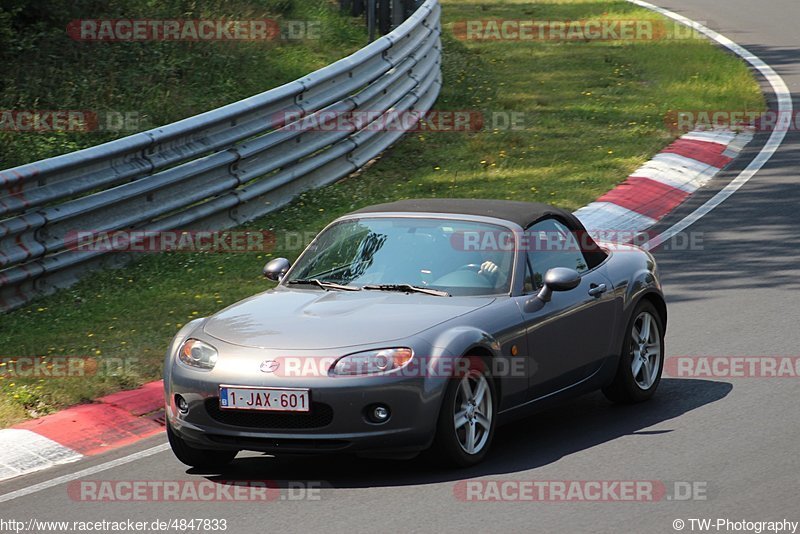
(295, 319)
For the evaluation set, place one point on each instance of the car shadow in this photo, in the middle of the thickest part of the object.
(536, 441)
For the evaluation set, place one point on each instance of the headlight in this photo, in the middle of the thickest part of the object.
(195, 353)
(373, 362)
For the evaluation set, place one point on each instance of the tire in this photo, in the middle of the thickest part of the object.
(630, 387)
(451, 444)
(197, 457)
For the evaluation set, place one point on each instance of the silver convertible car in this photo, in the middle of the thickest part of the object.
(416, 325)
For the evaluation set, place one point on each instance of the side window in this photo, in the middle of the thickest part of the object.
(529, 284)
(551, 244)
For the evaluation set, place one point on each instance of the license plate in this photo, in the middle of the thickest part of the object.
(264, 399)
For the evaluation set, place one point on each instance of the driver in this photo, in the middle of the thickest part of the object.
(489, 269)
(492, 272)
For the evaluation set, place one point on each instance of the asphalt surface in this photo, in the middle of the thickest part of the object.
(734, 438)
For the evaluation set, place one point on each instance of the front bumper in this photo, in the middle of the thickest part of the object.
(336, 422)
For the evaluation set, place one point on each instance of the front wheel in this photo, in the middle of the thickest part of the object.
(197, 457)
(642, 359)
(467, 417)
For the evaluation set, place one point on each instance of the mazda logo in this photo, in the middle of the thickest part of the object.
(269, 366)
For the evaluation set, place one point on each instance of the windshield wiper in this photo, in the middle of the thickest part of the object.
(408, 288)
(327, 286)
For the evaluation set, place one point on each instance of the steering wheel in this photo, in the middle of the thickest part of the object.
(470, 267)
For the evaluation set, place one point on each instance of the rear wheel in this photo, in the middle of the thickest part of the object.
(642, 359)
(467, 417)
(197, 457)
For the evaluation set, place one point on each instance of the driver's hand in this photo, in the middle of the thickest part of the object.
(488, 268)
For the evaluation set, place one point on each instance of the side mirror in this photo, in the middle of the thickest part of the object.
(276, 269)
(558, 279)
(555, 279)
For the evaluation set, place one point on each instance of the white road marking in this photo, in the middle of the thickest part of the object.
(721, 137)
(738, 144)
(686, 164)
(23, 452)
(785, 109)
(609, 217)
(47, 484)
(677, 171)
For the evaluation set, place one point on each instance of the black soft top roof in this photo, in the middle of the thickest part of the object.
(522, 213)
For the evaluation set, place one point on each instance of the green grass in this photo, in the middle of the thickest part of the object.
(594, 112)
(156, 82)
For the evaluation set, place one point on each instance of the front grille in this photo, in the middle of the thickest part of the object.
(319, 416)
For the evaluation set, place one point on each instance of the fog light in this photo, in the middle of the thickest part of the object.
(380, 413)
(182, 405)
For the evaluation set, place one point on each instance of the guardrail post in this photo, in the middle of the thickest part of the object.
(398, 12)
(385, 16)
(371, 19)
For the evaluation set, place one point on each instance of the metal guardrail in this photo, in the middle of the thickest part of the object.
(212, 171)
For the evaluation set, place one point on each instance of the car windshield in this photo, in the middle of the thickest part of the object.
(454, 256)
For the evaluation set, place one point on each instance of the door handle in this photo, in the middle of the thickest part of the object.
(597, 290)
